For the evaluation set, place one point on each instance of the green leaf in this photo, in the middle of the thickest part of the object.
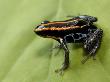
(25, 57)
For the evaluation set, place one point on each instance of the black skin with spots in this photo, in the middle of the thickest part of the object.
(87, 34)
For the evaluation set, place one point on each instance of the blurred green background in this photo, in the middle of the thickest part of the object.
(25, 57)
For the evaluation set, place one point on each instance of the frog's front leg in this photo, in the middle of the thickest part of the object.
(58, 46)
(66, 56)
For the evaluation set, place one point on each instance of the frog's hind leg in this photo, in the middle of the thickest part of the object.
(92, 44)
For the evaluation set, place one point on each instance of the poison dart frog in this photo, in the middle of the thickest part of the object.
(78, 29)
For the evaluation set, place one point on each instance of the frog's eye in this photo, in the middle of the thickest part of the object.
(40, 26)
(45, 22)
